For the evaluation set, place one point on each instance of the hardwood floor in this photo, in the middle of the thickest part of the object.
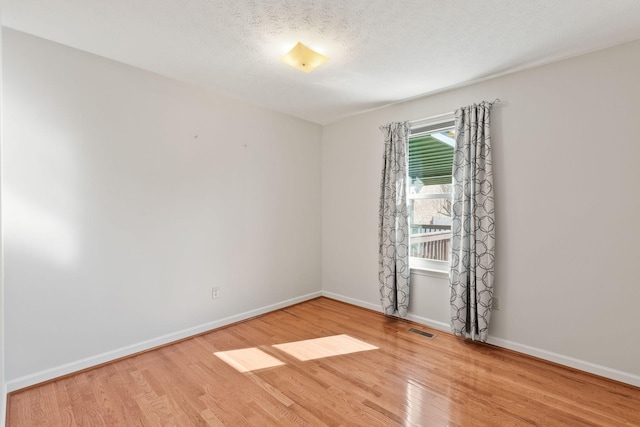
(408, 381)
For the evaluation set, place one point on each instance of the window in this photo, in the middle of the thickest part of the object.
(431, 147)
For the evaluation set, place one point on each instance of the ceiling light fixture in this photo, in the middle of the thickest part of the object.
(303, 58)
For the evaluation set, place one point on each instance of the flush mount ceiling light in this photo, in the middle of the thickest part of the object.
(303, 58)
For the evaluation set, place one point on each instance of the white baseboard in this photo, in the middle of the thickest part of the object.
(352, 301)
(3, 404)
(89, 362)
(376, 307)
(68, 368)
(581, 365)
(429, 322)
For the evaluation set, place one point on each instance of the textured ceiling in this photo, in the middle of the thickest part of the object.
(382, 51)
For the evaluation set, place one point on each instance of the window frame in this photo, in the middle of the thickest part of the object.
(418, 128)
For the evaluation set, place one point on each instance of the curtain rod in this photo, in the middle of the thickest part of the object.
(442, 116)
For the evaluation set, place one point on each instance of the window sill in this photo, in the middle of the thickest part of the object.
(422, 271)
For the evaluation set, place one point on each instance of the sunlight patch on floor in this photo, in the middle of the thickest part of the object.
(324, 347)
(248, 359)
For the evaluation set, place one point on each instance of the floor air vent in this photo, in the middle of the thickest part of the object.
(423, 333)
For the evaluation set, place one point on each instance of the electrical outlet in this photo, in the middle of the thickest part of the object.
(215, 292)
(495, 304)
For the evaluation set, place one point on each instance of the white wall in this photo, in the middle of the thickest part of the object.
(118, 220)
(3, 387)
(128, 196)
(567, 181)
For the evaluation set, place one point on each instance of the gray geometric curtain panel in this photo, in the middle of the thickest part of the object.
(393, 226)
(473, 226)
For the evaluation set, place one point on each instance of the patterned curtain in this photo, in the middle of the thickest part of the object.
(473, 227)
(393, 230)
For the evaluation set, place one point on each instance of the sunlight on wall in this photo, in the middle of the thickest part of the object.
(32, 228)
(41, 179)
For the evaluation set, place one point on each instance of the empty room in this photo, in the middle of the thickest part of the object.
(319, 213)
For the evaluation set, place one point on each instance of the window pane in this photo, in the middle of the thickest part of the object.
(431, 152)
(430, 221)
(431, 158)
(419, 189)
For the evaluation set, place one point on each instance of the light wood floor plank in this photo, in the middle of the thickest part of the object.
(408, 381)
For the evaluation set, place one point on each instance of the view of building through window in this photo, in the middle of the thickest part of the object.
(430, 170)
(430, 213)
